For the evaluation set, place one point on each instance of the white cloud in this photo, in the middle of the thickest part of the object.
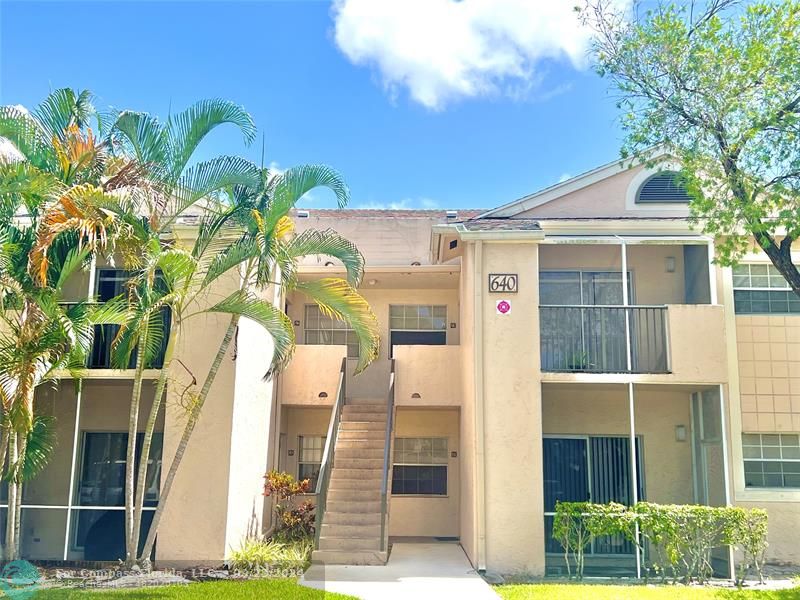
(444, 50)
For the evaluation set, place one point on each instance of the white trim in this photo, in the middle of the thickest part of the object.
(639, 179)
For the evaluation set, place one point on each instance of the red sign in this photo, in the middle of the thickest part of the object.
(503, 307)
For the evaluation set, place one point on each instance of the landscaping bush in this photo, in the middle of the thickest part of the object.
(680, 538)
(295, 522)
(268, 557)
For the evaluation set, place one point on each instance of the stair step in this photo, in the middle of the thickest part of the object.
(363, 434)
(351, 518)
(353, 506)
(359, 443)
(376, 409)
(343, 557)
(349, 543)
(362, 426)
(365, 402)
(354, 494)
(355, 474)
(338, 530)
(351, 462)
(359, 452)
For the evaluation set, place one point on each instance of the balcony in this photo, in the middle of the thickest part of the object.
(312, 377)
(100, 356)
(594, 339)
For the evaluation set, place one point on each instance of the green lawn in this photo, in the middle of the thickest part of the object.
(634, 592)
(263, 589)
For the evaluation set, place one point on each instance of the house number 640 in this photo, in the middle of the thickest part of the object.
(505, 283)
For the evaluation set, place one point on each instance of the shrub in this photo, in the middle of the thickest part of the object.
(294, 522)
(258, 557)
(681, 537)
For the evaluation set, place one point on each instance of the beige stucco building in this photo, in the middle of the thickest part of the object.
(523, 348)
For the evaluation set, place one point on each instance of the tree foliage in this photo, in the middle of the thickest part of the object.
(718, 89)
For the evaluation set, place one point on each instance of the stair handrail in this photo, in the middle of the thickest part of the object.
(324, 476)
(387, 443)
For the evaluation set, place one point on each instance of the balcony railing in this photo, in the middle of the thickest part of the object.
(100, 355)
(593, 338)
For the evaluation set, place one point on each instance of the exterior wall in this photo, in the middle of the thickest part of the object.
(693, 358)
(513, 426)
(603, 410)
(652, 284)
(467, 434)
(374, 381)
(428, 515)
(784, 520)
(433, 372)
(313, 370)
(769, 370)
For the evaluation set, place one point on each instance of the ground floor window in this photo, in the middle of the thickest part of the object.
(590, 469)
(771, 460)
(420, 466)
(99, 532)
(309, 458)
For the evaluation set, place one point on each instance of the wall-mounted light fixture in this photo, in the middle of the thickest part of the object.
(416, 395)
(416, 263)
(323, 394)
(670, 264)
(680, 433)
(372, 281)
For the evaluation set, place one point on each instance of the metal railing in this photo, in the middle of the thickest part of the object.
(324, 476)
(592, 338)
(387, 453)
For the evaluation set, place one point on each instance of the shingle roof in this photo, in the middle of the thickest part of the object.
(501, 225)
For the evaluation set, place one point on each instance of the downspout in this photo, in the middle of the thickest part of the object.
(480, 440)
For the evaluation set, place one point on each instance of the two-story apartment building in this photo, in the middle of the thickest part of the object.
(578, 343)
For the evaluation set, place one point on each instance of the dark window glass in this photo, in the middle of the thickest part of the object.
(419, 479)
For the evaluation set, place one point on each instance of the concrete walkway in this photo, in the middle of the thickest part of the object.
(416, 571)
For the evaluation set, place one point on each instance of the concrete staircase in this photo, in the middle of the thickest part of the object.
(351, 524)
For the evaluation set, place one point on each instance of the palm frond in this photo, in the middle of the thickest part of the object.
(230, 257)
(207, 177)
(188, 128)
(338, 299)
(27, 136)
(272, 319)
(328, 243)
(146, 136)
(64, 108)
(40, 447)
(287, 188)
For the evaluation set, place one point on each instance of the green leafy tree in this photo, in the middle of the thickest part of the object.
(718, 88)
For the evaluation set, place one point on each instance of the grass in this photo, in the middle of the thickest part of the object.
(234, 590)
(635, 592)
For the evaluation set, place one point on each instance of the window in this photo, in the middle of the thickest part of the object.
(761, 289)
(663, 188)
(309, 458)
(100, 532)
(771, 460)
(420, 466)
(417, 325)
(325, 330)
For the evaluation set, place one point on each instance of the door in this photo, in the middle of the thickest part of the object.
(589, 468)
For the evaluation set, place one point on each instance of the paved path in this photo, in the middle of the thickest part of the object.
(414, 571)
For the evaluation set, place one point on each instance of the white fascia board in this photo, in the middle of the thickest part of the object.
(623, 227)
(490, 234)
(566, 187)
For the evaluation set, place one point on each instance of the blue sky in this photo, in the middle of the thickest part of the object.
(413, 116)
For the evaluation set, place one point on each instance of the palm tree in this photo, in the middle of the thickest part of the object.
(252, 235)
(55, 192)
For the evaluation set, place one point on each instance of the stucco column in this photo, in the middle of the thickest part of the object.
(514, 501)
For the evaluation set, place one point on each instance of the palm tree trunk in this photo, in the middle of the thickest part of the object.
(11, 513)
(131, 544)
(148, 438)
(194, 416)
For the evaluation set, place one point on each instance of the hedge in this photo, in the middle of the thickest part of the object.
(680, 538)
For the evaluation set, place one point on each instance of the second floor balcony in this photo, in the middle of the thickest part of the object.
(604, 339)
(101, 354)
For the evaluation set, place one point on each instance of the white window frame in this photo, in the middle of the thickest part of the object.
(445, 464)
(300, 462)
(781, 460)
(350, 336)
(772, 274)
